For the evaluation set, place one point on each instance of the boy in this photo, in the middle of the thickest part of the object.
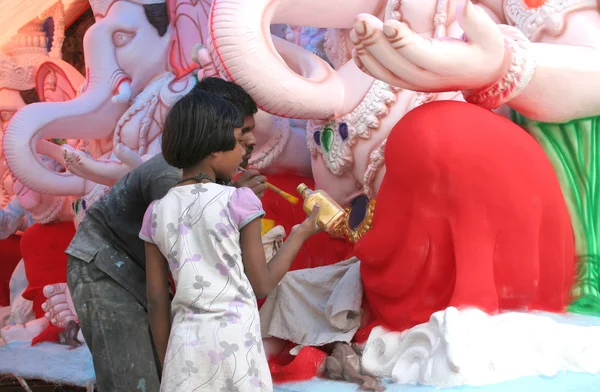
(106, 270)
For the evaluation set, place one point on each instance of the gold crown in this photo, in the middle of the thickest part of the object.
(100, 7)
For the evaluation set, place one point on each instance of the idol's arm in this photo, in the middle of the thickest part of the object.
(566, 81)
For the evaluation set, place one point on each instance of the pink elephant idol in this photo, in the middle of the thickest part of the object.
(138, 60)
(392, 56)
(42, 248)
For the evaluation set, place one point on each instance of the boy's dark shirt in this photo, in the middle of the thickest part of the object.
(108, 234)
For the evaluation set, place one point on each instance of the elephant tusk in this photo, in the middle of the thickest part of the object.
(123, 92)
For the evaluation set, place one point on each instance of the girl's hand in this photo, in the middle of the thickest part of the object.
(309, 227)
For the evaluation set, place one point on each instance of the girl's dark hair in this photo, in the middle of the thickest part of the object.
(198, 125)
(229, 91)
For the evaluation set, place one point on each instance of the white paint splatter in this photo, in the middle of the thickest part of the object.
(142, 385)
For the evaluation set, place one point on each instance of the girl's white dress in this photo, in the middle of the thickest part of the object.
(215, 343)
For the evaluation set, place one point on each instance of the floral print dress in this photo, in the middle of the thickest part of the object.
(215, 343)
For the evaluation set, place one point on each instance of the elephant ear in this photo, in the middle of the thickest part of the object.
(57, 81)
(189, 20)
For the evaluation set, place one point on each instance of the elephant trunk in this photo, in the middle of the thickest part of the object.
(241, 45)
(92, 115)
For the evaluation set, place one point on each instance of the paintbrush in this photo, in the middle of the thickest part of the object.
(284, 194)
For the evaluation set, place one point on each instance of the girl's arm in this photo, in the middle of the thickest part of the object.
(262, 276)
(159, 305)
(157, 287)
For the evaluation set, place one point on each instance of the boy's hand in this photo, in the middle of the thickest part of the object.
(309, 227)
(254, 180)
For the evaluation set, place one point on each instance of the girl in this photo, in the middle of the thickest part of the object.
(209, 236)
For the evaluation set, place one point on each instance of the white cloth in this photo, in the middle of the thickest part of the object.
(21, 310)
(315, 306)
(272, 241)
(4, 316)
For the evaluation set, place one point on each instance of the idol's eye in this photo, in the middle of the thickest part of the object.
(120, 38)
(6, 115)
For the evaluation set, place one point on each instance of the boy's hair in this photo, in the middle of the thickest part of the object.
(229, 91)
(198, 125)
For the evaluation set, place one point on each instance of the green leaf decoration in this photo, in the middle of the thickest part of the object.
(573, 150)
(327, 138)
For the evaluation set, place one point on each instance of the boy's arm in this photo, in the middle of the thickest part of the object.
(159, 305)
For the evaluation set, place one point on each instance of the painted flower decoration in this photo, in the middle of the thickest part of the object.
(224, 230)
(222, 321)
(191, 316)
(171, 230)
(215, 235)
(229, 348)
(244, 292)
(200, 282)
(253, 370)
(250, 340)
(223, 270)
(172, 259)
(184, 224)
(229, 386)
(154, 223)
(192, 343)
(215, 357)
(231, 259)
(232, 317)
(236, 303)
(189, 368)
(194, 258)
(198, 188)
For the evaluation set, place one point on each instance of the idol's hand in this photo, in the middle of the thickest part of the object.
(393, 53)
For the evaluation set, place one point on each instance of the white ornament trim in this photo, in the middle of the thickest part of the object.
(363, 120)
(392, 10)
(336, 48)
(516, 78)
(549, 16)
(147, 101)
(93, 196)
(16, 75)
(376, 162)
(52, 212)
(5, 196)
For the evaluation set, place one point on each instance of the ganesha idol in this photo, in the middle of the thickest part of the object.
(139, 59)
(42, 248)
(139, 62)
(472, 212)
(30, 59)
